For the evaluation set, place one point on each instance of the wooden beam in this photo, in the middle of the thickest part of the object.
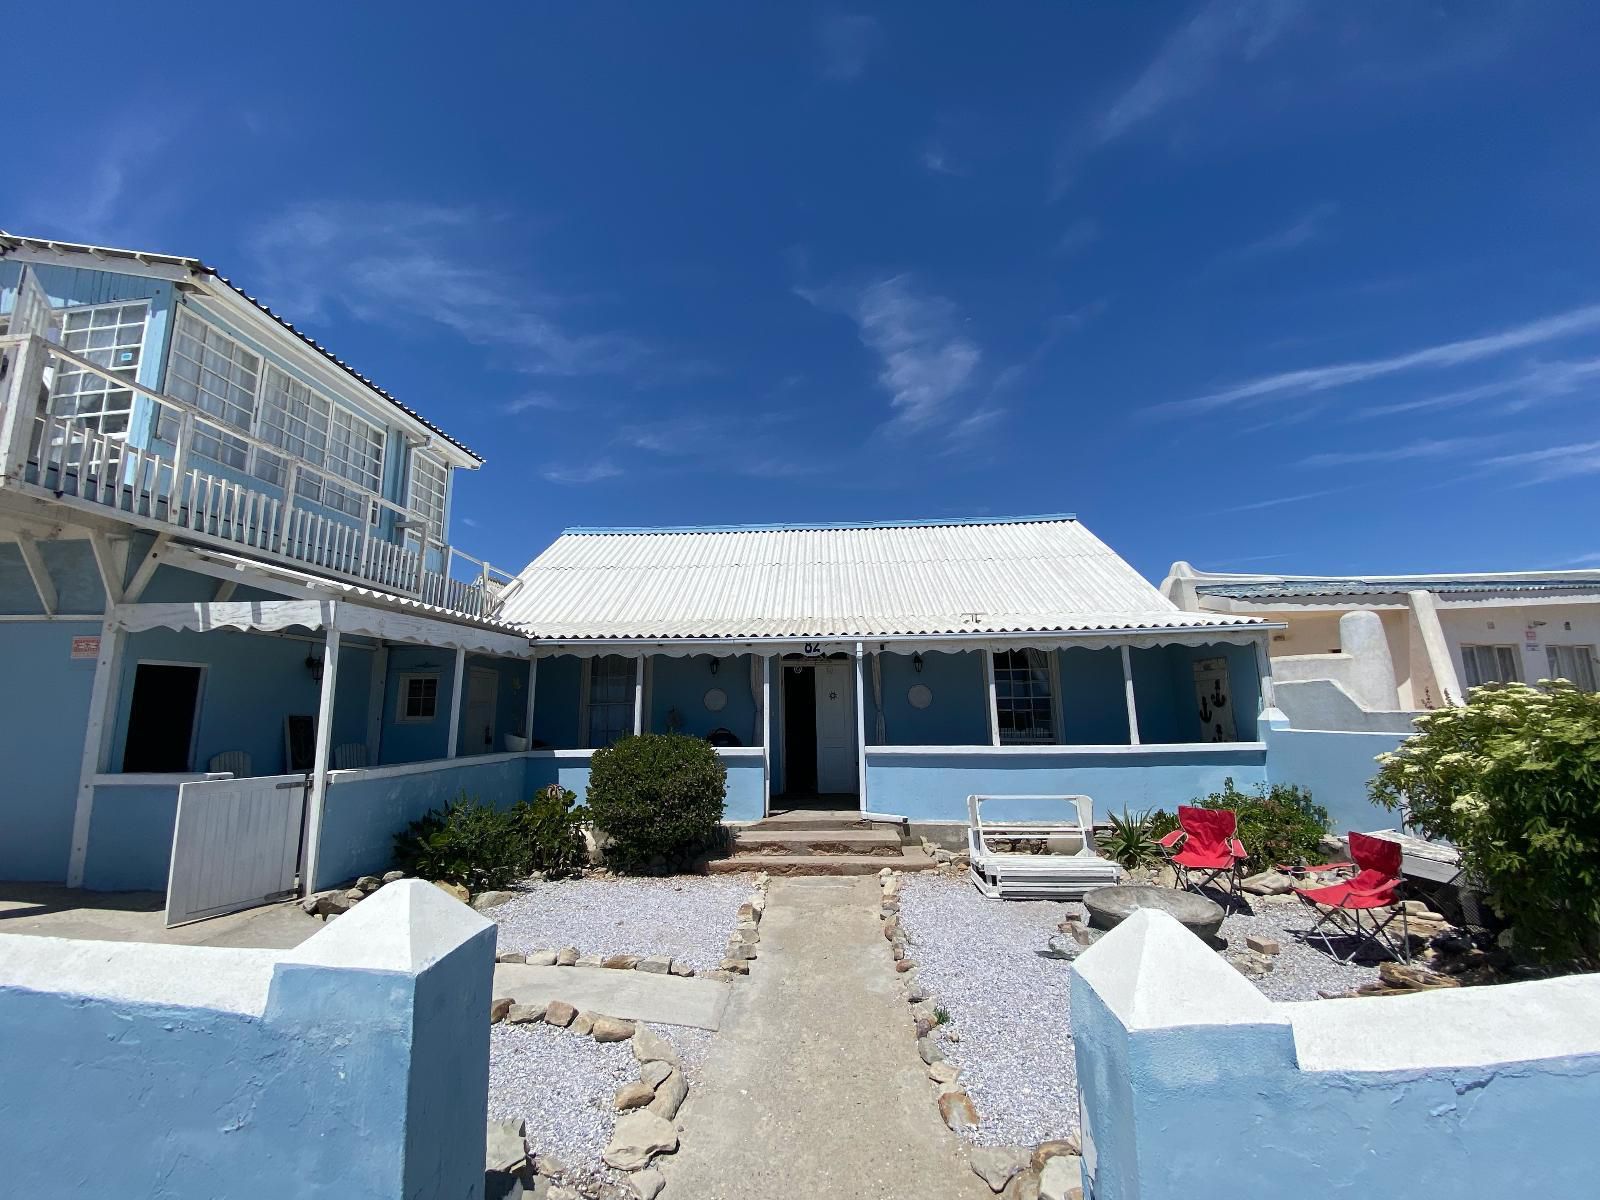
(38, 572)
(319, 762)
(861, 729)
(111, 560)
(994, 705)
(638, 696)
(766, 734)
(225, 590)
(533, 687)
(455, 703)
(96, 743)
(1127, 687)
(377, 695)
(147, 569)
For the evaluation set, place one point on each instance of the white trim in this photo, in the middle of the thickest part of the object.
(994, 700)
(111, 560)
(147, 569)
(1087, 750)
(766, 735)
(81, 618)
(161, 778)
(638, 695)
(1133, 706)
(455, 704)
(38, 572)
(738, 751)
(861, 728)
(1264, 671)
(423, 767)
(199, 700)
(96, 743)
(584, 752)
(319, 764)
(402, 680)
(533, 689)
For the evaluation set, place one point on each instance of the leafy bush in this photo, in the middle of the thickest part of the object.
(1512, 778)
(659, 797)
(483, 847)
(1277, 824)
(465, 842)
(1131, 842)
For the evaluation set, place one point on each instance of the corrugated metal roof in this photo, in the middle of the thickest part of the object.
(1305, 589)
(200, 268)
(1011, 575)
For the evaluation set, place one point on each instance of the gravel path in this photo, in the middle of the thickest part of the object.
(981, 960)
(686, 916)
(562, 1085)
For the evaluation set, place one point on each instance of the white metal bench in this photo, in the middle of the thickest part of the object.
(1006, 876)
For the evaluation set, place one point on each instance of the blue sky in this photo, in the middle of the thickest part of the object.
(1268, 285)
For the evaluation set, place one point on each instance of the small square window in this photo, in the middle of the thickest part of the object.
(418, 699)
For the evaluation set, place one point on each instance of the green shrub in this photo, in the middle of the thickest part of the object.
(1512, 778)
(550, 827)
(1277, 824)
(1131, 844)
(659, 797)
(465, 842)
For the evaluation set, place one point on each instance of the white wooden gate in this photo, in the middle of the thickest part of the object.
(236, 845)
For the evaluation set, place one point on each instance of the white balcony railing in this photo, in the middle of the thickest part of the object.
(87, 456)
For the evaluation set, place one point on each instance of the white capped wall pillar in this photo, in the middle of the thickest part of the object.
(638, 697)
(96, 742)
(1425, 619)
(455, 703)
(994, 703)
(319, 763)
(527, 716)
(1127, 687)
(861, 728)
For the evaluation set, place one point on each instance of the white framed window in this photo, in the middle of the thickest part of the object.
(1024, 697)
(355, 452)
(110, 336)
(217, 375)
(1573, 663)
(1490, 664)
(294, 417)
(608, 700)
(425, 495)
(416, 698)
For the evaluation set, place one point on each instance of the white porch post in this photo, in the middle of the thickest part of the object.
(861, 728)
(26, 370)
(1127, 687)
(96, 742)
(319, 764)
(638, 697)
(455, 703)
(989, 688)
(1264, 667)
(377, 691)
(527, 717)
(766, 733)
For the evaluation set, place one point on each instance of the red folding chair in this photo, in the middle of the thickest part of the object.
(1204, 847)
(1355, 907)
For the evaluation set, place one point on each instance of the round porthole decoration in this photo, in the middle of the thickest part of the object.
(716, 700)
(920, 695)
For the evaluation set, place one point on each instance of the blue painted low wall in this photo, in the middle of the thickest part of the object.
(747, 794)
(130, 837)
(365, 809)
(354, 1065)
(934, 785)
(1336, 767)
(1194, 1086)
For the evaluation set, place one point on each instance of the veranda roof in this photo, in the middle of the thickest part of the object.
(1004, 576)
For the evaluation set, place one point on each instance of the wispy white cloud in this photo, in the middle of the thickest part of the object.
(1449, 354)
(1277, 501)
(108, 189)
(581, 473)
(1553, 462)
(1427, 448)
(1077, 237)
(1534, 385)
(937, 160)
(533, 402)
(394, 261)
(926, 362)
(1194, 55)
(1307, 227)
(846, 41)
(1583, 560)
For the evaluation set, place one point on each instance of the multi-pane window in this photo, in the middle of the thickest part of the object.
(1024, 705)
(1490, 664)
(418, 700)
(1573, 663)
(355, 452)
(110, 336)
(217, 375)
(610, 701)
(429, 479)
(293, 417)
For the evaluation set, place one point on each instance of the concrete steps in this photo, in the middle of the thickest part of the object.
(819, 842)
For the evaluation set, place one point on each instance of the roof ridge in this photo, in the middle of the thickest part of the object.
(806, 526)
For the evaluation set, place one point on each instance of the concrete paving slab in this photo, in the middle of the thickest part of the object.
(50, 910)
(631, 995)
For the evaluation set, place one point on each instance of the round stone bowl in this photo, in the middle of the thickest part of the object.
(1108, 907)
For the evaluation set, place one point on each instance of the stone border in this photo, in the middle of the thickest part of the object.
(1049, 1171)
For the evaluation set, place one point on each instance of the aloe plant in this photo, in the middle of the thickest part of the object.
(1131, 842)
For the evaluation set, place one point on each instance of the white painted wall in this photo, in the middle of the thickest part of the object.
(1511, 625)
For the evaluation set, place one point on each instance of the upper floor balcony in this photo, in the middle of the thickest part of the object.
(89, 435)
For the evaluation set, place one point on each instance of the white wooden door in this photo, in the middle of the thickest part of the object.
(836, 729)
(478, 709)
(236, 845)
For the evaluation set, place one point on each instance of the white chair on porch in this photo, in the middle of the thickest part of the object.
(235, 761)
(1004, 875)
(349, 757)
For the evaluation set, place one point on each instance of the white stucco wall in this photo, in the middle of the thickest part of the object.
(1510, 625)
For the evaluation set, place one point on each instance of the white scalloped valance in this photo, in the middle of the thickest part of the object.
(686, 647)
(271, 615)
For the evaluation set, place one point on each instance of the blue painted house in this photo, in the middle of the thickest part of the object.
(224, 557)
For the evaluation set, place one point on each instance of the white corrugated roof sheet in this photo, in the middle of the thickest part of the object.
(966, 577)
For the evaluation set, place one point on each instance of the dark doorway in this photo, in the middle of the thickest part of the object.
(161, 718)
(799, 732)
